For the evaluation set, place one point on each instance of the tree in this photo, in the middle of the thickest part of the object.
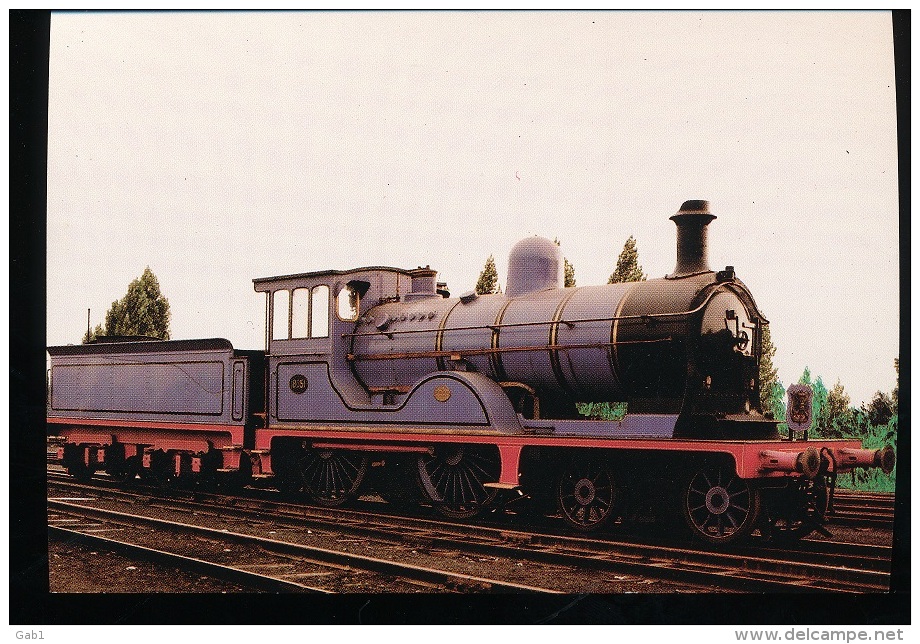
(768, 373)
(89, 336)
(568, 268)
(880, 410)
(628, 269)
(776, 401)
(488, 279)
(897, 383)
(142, 311)
(839, 415)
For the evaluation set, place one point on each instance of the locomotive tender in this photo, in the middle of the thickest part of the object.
(376, 377)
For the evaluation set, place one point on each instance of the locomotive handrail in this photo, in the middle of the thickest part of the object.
(568, 323)
(351, 357)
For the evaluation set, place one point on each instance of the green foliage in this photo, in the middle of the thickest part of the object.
(488, 279)
(569, 273)
(897, 383)
(602, 410)
(628, 268)
(776, 402)
(768, 375)
(838, 417)
(89, 336)
(805, 378)
(143, 311)
(880, 410)
(568, 268)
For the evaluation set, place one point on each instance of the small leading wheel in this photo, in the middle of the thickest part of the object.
(718, 506)
(453, 478)
(798, 511)
(331, 477)
(586, 494)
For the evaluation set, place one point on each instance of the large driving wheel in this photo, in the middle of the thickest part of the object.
(453, 478)
(718, 506)
(331, 477)
(586, 494)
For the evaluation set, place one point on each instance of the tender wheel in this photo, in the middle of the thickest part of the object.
(125, 471)
(159, 473)
(73, 462)
(331, 477)
(80, 471)
(453, 478)
(795, 513)
(718, 506)
(586, 494)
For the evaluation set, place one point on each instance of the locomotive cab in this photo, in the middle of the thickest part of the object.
(309, 317)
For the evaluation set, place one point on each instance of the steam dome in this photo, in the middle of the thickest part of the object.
(534, 264)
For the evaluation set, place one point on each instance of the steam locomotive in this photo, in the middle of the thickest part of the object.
(375, 378)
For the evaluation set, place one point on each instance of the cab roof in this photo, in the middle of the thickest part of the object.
(328, 273)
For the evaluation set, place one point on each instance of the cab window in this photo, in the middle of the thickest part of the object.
(281, 315)
(348, 302)
(319, 323)
(300, 313)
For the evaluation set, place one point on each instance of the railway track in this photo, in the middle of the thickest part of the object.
(863, 509)
(269, 564)
(810, 566)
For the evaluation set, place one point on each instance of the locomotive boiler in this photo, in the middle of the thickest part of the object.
(685, 344)
(376, 379)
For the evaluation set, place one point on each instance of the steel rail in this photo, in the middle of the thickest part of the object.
(322, 555)
(194, 564)
(862, 510)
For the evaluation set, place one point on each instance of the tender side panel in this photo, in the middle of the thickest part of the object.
(187, 387)
(185, 382)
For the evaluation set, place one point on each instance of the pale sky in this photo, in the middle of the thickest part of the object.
(220, 147)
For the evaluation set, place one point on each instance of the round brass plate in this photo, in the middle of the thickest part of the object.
(442, 393)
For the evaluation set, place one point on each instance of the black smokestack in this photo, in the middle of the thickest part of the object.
(692, 225)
